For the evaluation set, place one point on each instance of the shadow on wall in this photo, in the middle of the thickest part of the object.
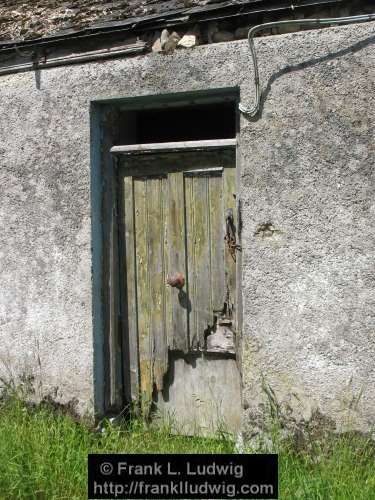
(308, 64)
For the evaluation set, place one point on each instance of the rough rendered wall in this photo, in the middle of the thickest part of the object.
(45, 298)
(309, 284)
(307, 189)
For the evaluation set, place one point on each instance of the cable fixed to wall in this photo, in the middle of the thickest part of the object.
(252, 111)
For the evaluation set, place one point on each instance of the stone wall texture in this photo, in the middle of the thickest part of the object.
(306, 170)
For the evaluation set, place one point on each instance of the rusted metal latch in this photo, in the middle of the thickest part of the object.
(230, 234)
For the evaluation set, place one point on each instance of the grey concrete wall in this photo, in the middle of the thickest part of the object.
(306, 168)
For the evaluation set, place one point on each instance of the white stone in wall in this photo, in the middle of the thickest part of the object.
(188, 41)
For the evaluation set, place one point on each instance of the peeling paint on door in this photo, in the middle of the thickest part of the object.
(180, 270)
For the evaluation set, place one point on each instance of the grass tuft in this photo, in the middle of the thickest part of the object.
(43, 455)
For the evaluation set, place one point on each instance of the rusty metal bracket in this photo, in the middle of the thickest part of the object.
(230, 234)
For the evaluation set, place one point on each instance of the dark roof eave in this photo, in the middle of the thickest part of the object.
(196, 14)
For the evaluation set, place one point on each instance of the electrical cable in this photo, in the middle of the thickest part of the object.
(253, 110)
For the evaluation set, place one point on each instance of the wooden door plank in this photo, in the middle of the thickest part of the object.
(114, 340)
(190, 258)
(131, 292)
(230, 256)
(143, 289)
(155, 243)
(173, 146)
(217, 224)
(204, 317)
(190, 249)
(199, 262)
(177, 300)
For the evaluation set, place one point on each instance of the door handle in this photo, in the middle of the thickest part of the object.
(177, 280)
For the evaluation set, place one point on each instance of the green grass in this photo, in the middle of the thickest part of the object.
(340, 468)
(43, 455)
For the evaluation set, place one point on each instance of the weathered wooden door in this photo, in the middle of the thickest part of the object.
(180, 244)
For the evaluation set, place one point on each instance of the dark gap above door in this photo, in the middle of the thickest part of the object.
(182, 123)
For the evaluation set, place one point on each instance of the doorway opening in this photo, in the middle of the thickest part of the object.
(177, 123)
(152, 149)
